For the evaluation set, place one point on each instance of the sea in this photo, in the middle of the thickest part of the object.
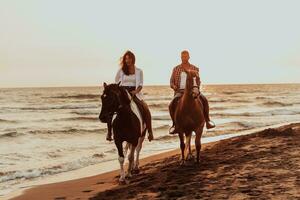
(49, 131)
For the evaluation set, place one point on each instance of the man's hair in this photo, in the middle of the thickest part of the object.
(184, 52)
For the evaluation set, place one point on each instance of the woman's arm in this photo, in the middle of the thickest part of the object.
(140, 84)
(118, 76)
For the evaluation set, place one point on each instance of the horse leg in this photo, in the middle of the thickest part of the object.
(130, 159)
(188, 146)
(138, 150)
(198, 143)
(126, 149)
(121, 160)
(182, 147)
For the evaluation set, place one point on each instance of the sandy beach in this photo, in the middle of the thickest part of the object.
(70, 69)
(262, 165)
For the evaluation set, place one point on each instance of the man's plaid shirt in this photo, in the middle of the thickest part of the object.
(175, 78)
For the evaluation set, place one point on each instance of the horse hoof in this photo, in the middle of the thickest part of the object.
(182, 163)
(190, 158)
(122, 182)
(129, 175)
(136, 171)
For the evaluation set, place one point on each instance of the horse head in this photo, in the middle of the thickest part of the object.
(113, 99)
(191, 83)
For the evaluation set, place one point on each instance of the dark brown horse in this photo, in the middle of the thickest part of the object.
(127, 125)
(189, 117)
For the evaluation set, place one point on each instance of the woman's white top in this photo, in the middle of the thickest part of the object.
(133, 80)
(183, 77)
(129, 80)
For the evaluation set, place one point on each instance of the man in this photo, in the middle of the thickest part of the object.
(177, 83)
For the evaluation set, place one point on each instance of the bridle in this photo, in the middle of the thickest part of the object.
(121, 105)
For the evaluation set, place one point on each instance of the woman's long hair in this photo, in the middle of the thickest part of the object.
(124, 66)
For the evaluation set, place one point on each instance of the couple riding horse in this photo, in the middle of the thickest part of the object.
(129, 117)
(131, 79)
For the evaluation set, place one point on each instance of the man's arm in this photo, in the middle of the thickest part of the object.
(172, 80)
(198, 81)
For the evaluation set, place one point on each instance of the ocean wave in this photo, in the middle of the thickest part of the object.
(7, 121)
(67, 131)
(162, 127)
(276, 104)
(114, 150)
(261, 114)
(164, 106)
(242, 92)
(231, 92)
(11, 134)
(240, 101)
(239, 124)
(166, 137)
(85, 112)
(162, 98)
(218, 100)
(91, 119)
(79, 96)
(68, 107)
(261, 98)
(221, 108)
(231, 100)
(161, 117)
(79, 118)
(63, 167)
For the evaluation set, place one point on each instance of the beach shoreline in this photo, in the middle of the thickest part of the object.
(107, 179)
(69, 141)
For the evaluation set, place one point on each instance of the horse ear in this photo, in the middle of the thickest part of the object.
(104, 85)
(119, 83)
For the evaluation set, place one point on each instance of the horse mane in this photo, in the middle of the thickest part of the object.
(190, 79)
(124, 96)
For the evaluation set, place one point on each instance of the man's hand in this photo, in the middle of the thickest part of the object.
(174, 87)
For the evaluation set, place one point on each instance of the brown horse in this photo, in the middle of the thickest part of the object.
(189, 117)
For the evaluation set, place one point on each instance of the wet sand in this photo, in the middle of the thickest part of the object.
(262, 165)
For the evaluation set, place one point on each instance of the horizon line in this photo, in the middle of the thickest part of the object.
(150, 85)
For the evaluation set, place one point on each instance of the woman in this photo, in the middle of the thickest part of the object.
(131, 78)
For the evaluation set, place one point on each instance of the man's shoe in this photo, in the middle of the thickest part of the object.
(150, 136)
(210, 124)
(172, 130)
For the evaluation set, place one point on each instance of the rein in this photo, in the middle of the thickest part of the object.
(120, 104)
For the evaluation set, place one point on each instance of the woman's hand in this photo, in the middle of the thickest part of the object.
(134, 92)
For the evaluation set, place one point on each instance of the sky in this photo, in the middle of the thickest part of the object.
(79, 43)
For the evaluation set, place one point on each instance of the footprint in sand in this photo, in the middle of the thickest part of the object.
(60, 198)
(87, 191)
